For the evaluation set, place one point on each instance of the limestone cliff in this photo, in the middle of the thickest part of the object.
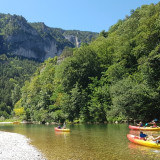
(36, 40)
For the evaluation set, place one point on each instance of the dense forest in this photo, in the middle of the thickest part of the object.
(14, 71)
(114, 78)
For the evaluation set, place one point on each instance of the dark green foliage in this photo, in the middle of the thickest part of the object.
(73, 103)
(36, 95)
(134, 99)
(79, 68)
(104, 34)
(14, 72)
(99, 100)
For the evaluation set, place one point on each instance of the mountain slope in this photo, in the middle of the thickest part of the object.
(36, 40)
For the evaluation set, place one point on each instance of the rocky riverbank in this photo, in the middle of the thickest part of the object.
(14, 146)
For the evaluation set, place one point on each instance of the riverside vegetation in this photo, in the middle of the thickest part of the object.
(115, 77)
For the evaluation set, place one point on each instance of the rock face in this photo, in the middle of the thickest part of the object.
(52, 49)
(36, 40)
(74, 40)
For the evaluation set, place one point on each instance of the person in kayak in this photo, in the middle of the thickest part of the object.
(151, 138)
(59, 127)
(154, 124)
(157, 139)
(142, 135)
(146, 124)
(140, 124)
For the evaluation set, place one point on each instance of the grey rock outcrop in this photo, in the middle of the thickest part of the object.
(73, 39)
(35, 40)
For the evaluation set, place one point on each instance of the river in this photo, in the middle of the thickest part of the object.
(85, 142)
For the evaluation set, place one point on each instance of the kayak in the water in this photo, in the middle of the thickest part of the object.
(138, 140)
(144, 128)
(62, 129)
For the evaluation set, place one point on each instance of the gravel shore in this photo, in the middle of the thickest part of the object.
(15, 146)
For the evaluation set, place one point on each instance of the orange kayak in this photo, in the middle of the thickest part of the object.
(137, 140)
(62, 129)
(144, 128)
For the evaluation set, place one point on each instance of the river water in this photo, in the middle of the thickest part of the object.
(85, 142)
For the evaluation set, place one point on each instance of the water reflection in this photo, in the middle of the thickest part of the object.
(61, 133)
(149, 153)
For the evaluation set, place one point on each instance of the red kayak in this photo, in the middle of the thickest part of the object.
(62, 129)
(144, 128)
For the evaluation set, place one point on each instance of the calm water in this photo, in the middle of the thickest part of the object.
(85, 142)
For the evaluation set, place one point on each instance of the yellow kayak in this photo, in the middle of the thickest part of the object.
(61, 129)
(137, 140)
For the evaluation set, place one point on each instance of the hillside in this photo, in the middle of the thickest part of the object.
(114, 78)
(14, 71)
(36, 40)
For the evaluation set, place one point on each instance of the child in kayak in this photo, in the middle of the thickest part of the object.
(143, 136)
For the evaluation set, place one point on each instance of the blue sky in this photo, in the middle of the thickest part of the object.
(84, 15)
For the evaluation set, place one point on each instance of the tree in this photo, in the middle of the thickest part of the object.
(104, 34)
(73, 103)
(99, 100)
